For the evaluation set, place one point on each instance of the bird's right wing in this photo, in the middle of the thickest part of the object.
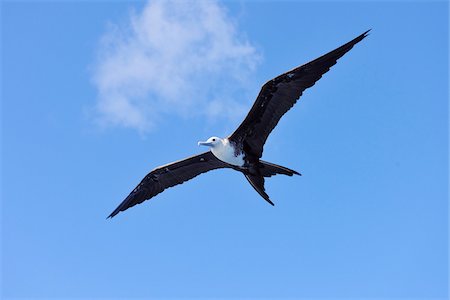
(169, 175)
(278, 95)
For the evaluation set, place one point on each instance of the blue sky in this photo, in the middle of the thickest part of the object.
(82, 124)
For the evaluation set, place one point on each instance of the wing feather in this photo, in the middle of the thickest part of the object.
(278, 95)
(167, 176)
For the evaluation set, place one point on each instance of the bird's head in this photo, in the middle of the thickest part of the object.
(211, 142)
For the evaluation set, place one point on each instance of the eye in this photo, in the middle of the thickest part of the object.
(214, 140)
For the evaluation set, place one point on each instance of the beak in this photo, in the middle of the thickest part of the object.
(204, 144)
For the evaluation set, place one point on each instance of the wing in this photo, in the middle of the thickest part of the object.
(167, 176)
(278, 95)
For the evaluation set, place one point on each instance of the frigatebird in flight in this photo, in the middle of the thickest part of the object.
(242, 150)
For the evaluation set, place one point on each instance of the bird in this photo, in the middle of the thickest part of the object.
(243, 149)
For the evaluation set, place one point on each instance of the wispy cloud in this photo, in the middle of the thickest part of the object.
(184, 58)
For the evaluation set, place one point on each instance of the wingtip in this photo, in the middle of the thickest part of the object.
(356, 40)
(112, 215)
(365, 34)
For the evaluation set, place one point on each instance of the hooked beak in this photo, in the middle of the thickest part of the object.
(204, 144)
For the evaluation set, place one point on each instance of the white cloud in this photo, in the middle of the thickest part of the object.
(182, 58)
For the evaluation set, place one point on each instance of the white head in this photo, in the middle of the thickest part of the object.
(211, 142)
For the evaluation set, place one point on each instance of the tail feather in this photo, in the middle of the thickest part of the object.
(257, 182)
(269, 169)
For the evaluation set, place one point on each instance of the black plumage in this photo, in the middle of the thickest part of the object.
(276, 97)
(167, 176)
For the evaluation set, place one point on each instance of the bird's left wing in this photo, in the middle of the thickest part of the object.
(169, 175)
(278, 95)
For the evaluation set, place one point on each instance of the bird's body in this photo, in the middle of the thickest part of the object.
(228, 152)
(242, 150)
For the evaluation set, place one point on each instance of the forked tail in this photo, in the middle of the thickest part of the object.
(257, 182)
(268, 169)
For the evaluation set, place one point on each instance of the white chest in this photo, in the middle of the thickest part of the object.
(226, 152)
